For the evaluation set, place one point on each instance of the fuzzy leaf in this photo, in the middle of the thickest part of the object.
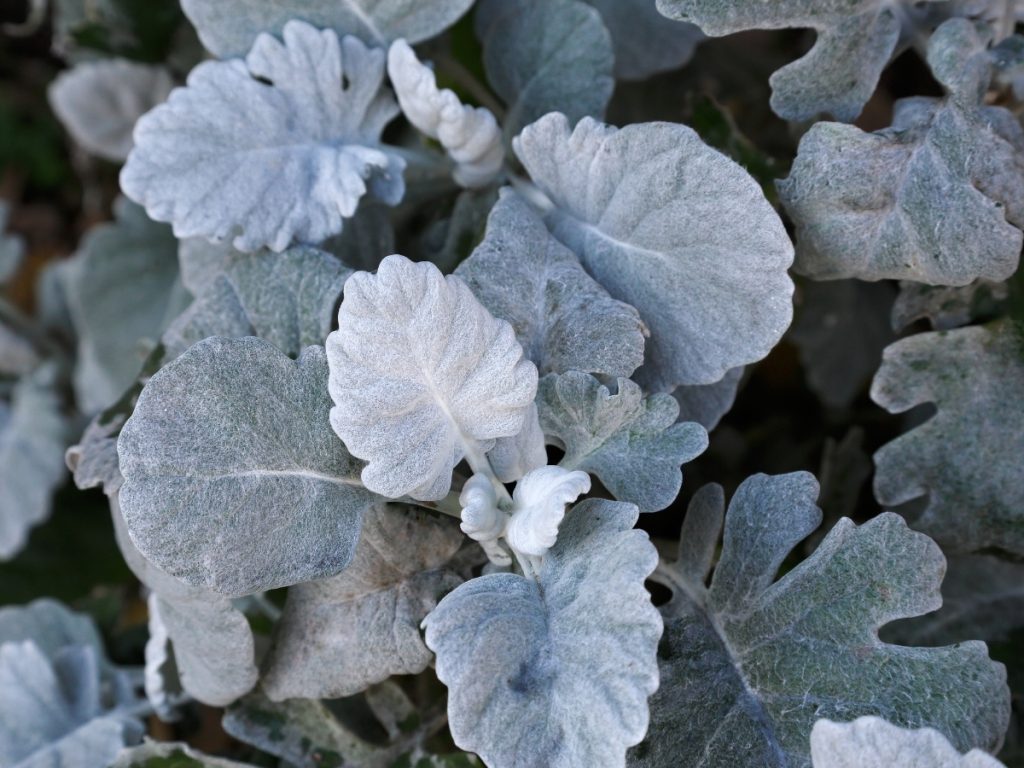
(161, 680)
(55, 711)
(645, 42)
(469, 135)
(518, 656)
(947, 307)
(546, 55)
(338, 636)
(419, 373)
(706, 404)
(163, 754)
(99, 102)
(233, 479)
(965, 457)
(272, 150)
(539, 503)
(214, 649)
(631, 442)
(287, 299)
(513, 457)
(754, 661)
(122, 288)
(674, 228)
(838, 75)
(93, 459)
(934, 198)
(562, 318)
(33, 436)
(871, 742)
(50, 626)
(229, 31)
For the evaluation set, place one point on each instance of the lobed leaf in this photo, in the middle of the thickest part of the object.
(631, 442)
(233, 479)
(947, 307)
(706, 404)
(518, 656)
(270, 150)
(963, 457)
(754, 661)
(420, 373)
(674, 228)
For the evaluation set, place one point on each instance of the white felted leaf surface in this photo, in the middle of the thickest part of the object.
(871, 742)
(93, 459)
(645, 42)
(947, 307)
(233, 479)
(211, 641)
(513, 457)
(667, 224)
(563, 319)
(839, 73)
(275, 149)
(539, 503)
(631, 442)
(937, 197)
(966, 457)
(160, 674)
(33, 435)
(754, 660)
(338, 636)
(420, 373)
(122, 289)
(706, 404)
(470, 135)
(230, 30)
(545, 55)
(288, 299)
(55, 711)
(99, 102)
(556, 672)
(50, 626)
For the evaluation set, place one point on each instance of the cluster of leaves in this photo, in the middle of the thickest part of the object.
(343, 475)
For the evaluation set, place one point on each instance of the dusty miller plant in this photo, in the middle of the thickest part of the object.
(433, 465)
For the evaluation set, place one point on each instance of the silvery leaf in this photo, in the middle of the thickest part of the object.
(546, 55)
(966, 457)
(201, 261)
(538, 507)
(562, 318)
(667, 224)
(421, 374)
(99, 102)
(936, 198)
(50, 626)
(270, 150)
(229, 31)
(631, 442)
(838, 75)
(749, 663)
(646, 42)
(982, 599)
(470, 135)
(947, 307)
(519, 656)
(840, 331)
(55, 711)
(150, 754)
(12, 248)
(513, 457)
(340, 635)
(33, 435)
(17, 355)
(211, 641)
(233, 479)
(161, 678)
(93, 459)
(288, 299)
(871, 742)
(122, 289)
(706, 404)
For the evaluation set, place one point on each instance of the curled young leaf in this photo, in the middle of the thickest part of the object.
(964, 458)
(518, 656)
(99, 102)
(755, 660)
(233, 479)
(272, 150)
(838, 75)
(481, 518)
(230, 30)
(469, 135)
(539, 503)
(631, 442)
(667, 224)
(421, 375)
(938, 197)
(871, 742)
(563, 319)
